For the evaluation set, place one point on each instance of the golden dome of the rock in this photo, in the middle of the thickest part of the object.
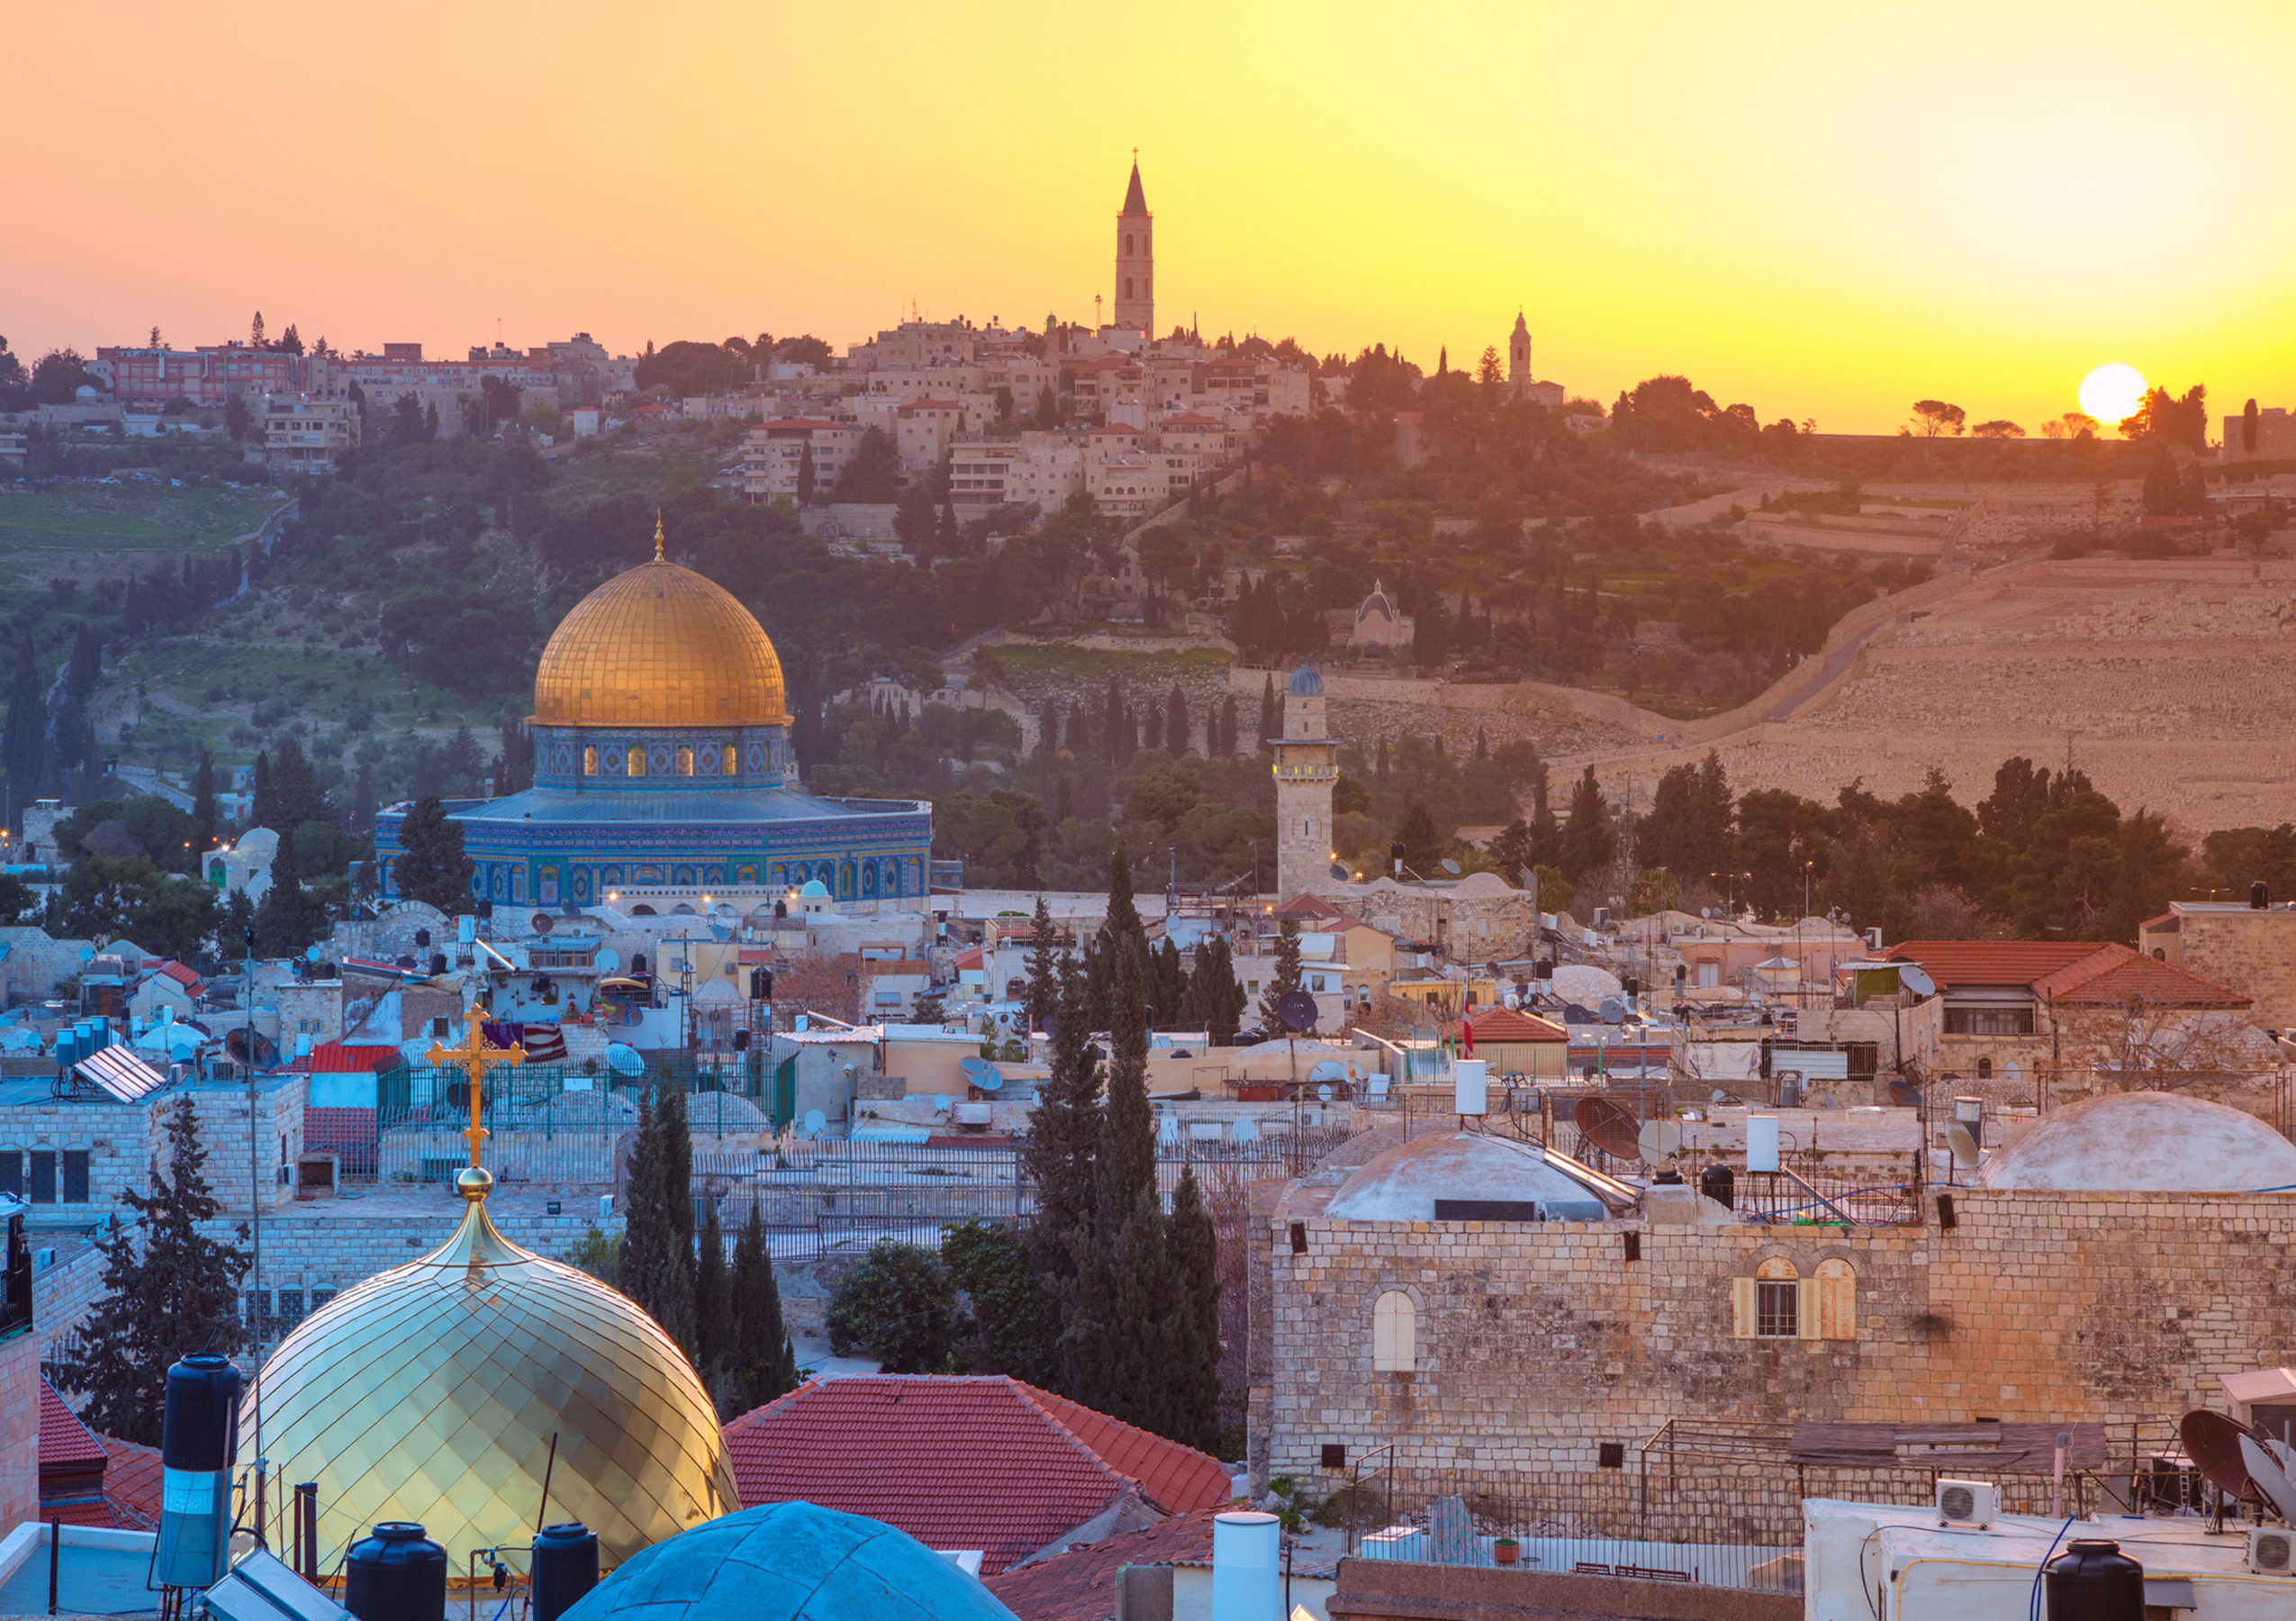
(659, 645)
(430, 1392)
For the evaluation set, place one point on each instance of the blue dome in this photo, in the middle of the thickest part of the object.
(815, 889)
(1304, 683)
(791, 1561)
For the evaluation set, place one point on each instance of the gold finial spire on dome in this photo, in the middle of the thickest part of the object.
(657, 534)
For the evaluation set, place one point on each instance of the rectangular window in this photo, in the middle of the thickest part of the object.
(43, 1176)
(75, 1176)
(290, 1308)
(1778, 1310)
(320, 1297)
(12, 1173)
(259, 1308)
(1989, 1021)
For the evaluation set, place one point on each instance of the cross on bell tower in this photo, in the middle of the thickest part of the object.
(1135, 304)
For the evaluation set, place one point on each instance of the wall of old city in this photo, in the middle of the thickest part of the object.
(1539, 1343)
(2251, 951)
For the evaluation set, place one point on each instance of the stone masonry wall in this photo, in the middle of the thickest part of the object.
(1539, 1343)
(2251, 951)
(20, 1430)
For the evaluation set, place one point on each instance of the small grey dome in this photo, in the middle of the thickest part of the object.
(1304, 683)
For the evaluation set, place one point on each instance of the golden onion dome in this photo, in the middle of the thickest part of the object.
(430, 1392)
(659, 645)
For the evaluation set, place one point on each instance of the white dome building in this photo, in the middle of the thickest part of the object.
(2144, 1143)
(1463, 1176)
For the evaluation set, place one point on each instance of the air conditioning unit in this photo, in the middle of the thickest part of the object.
(1968, 1503)
(2272, 1550)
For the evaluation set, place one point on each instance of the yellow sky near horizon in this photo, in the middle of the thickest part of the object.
(1825, 211)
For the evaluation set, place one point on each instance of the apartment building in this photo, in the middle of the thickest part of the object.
(774, 455)
(207, 376)
(303, 435)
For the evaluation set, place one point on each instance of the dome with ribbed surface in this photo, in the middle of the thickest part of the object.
(1305, 683)
(432, 1392)
(659, 645)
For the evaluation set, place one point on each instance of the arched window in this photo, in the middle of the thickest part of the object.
(589, 762)
(637, 761)
(1127, 286)
(1984, 1069)
(1837, 1293)
(732, 761)
(1768, 1304)
(1127, 248)
(685, 762)
(1395, 1333)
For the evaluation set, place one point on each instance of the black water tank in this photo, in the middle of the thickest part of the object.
(2093, 1580)
(565, 1567)
(2259, 897)
(1718, 1184)
(397, 1574)
(199, 1429)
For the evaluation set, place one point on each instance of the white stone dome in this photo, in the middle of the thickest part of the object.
(2144, 1143)
(1403, 1183)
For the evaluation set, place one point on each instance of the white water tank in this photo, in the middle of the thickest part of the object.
(1246, 1569)
(1470, 1086)
(1761, 1142)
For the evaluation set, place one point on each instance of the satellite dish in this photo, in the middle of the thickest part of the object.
(1330, 1069)
(1511, 1002)
(1964, 1145)
(1297, 1009)
(87, 954)
(2270, 1478)
(624, 1059)
(2212, 1442)
(1324, 1094)
(974, 1069)
(816, 1123)
(1905, 1094)
(1659, 1140)
(1613, 1011)
(542, 924)
(609, 960)
(311, 954)
(940, 1102)
(1609, 1126)
(1340, 871)
(1246, 1130)
(1914, 979)
(1450, 866)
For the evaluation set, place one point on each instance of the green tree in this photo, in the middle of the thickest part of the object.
(2248, 418)
(900, 1306)
(289, 919)
(1193, 1377)
(806, 474)
(1284, 980)
(714, 1347)
(1062, 1132)
(873, 473)
(170, 1289)
(1020, 1330)
(1043, 968)
(431, 866)
(1589, 843)
(765, 1362)
(1270, 716)
(203, 805)
(1934, 417)
(658, 1259)
(1422, 840)
(1216, 998)
(238, 420)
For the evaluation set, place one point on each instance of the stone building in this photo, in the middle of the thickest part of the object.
(2117, 1293)
(1306, 768)
(2248, 950)
(1135, 284)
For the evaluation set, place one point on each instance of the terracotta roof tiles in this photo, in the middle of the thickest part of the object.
(1081, 1585)
(2066, 971)
(1504, 1024)
(990, 1463)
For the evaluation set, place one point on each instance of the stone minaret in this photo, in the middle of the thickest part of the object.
(1518, 352)
(1307, 771)
(1135, 302)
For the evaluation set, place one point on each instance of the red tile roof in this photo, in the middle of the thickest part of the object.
(990, 1463)
(64, 1440)
(1306, 905)
(2066, 971)
(333, 1058)
(132, 1481)
(1504, 1024)
(2116, 975)
(1082, 1585)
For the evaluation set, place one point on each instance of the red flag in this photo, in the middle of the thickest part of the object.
(1466, 1036)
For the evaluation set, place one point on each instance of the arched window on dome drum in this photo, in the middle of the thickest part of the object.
(637, 761)
(1395, 1333)
(732, 760)
(589, 762)
(685, 762)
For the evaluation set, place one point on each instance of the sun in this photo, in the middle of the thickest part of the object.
(2112, 392)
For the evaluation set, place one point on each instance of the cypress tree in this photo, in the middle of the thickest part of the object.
(713, 1308)
(1194, 1376)
(288, 919)
(203, 804)
(1271, 718)
(1168, 983)
(764, 1363)
(431, 866)
(263, 811)
(179, 1295)
(27, 729)
(1228, 724)
(1057, 1152)
(1044, 969)
(1152, 727)
(1123, 917)
(1284, 979)
(657, 1262)
(1176, 722)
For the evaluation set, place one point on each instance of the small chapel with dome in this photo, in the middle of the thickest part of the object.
(661, 762)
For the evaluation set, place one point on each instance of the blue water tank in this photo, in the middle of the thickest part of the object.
(397, 1574)
(566, 1568)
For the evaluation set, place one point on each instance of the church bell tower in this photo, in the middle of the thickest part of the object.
(1518, 351)
(1136, 301)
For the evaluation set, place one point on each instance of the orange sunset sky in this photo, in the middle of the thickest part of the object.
(1824, 210)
